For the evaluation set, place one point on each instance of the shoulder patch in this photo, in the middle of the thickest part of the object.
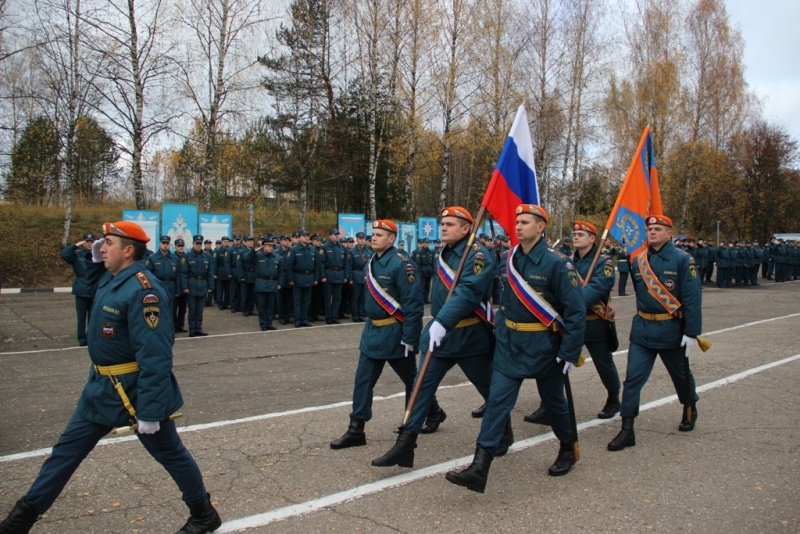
(152, 316)
(479, 263)
(608, 270)
(150, 299)
(559, 254)
(411, 274)
(143, 280)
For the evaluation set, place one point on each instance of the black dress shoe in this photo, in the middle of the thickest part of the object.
(305, 324)
(246, 314)
(270, 327)
(283, 322)
(335, 321)
(180, 330)
(687, 425)
(477, 413)
(564, 461)
(436, 417)
(611, 407)
(201, 333)
(191, 334)
(539, 417)
(82, 343)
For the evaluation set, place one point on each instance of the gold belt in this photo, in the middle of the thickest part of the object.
(660, 316)
(469, 321)
(529, 327)
(116, 370)
(592, 317)
(383, 322)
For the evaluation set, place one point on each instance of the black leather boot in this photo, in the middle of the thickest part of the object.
(20, 520)
(564, 461)
(625, 438)
(477, 413)
(538, 417)
(204, 517)
(611, 408)
(436, 417)
(687, 425)
(473, 477)
(354, 437)
(402, 453)
(506, 441)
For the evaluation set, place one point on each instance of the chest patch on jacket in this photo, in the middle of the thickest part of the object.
(108, 331)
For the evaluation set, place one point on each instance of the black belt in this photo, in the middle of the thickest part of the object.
(358, 268)
(198, 277)
(267, 277)
(337, 269)
(167, 279)
(302, 272)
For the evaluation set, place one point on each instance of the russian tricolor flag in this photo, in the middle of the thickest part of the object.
(514, 179)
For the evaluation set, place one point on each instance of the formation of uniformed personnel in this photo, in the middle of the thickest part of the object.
(459, 334)
(182, 299)
(165, 265)
(268, 282)
(391, 334)
(78, 256)
(667, 322)
(130, 344)
(539, 332)
(301, 274)
(246, 274)
(359, 257)
(334, 272)
(198, 282)
(423, 257)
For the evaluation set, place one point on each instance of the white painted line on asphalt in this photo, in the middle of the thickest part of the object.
(273, 415)
(280, 514)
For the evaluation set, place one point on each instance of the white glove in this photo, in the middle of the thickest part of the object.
(687, 341)
(149, 427)
(436, 332)
(409, 348)
(97, 256)
(568, 366)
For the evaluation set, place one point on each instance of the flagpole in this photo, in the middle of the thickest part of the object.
(426, 362)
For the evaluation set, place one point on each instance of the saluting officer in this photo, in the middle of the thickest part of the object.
(391, 334)
(664, 326)
(302, 275)
(198, 282)
(268, 272)
(333, 270)
(460, 333)
(359, 257)
(539, 331)
(130, 345)
(79, 255)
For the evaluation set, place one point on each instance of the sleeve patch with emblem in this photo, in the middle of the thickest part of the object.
(478, 264)
(152, 315)
(693, 270)
(411, 275)
(573, 278)
(608, 270)
(150, 299)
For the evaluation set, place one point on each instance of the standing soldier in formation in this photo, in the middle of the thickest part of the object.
(623, 267)
(301, 275)
(210, 251)
(359, 257)
(166, 267)
(723, 265)
(198, 282)
(317, 306)
(268, 273)
(183, 298)
(423, 257)
(130, 338)
(391, 334)
(222, 282)
(758, 257)
(79, 255)
(712, 260)
(667, 322)
(232, 267)
(285, 302)
(334, 272)
(459, 334)
(565, 247)
(735, 269)
(539, 331)
(247, 276)
(344, 307)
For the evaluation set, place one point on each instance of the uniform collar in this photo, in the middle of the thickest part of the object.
(383, 258)
(120, 278)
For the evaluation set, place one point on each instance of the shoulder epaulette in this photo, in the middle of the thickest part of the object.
(403, 257)
(559, 254)
(143, 280)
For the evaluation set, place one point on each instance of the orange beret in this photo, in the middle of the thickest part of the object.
(457, 211)
(385, 224)
(128, 229)
(533, 209)
(659, 219)
(585, 226)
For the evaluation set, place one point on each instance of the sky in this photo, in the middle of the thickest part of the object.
(772, 64)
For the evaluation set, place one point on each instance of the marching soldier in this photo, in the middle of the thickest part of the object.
(665, 326)
(130, 345)
(539, 332)
(359, 257)
(459, 334)
(391, 334)
(198, 282)
(79, 255)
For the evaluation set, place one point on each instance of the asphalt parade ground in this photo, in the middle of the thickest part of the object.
(261, 408)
